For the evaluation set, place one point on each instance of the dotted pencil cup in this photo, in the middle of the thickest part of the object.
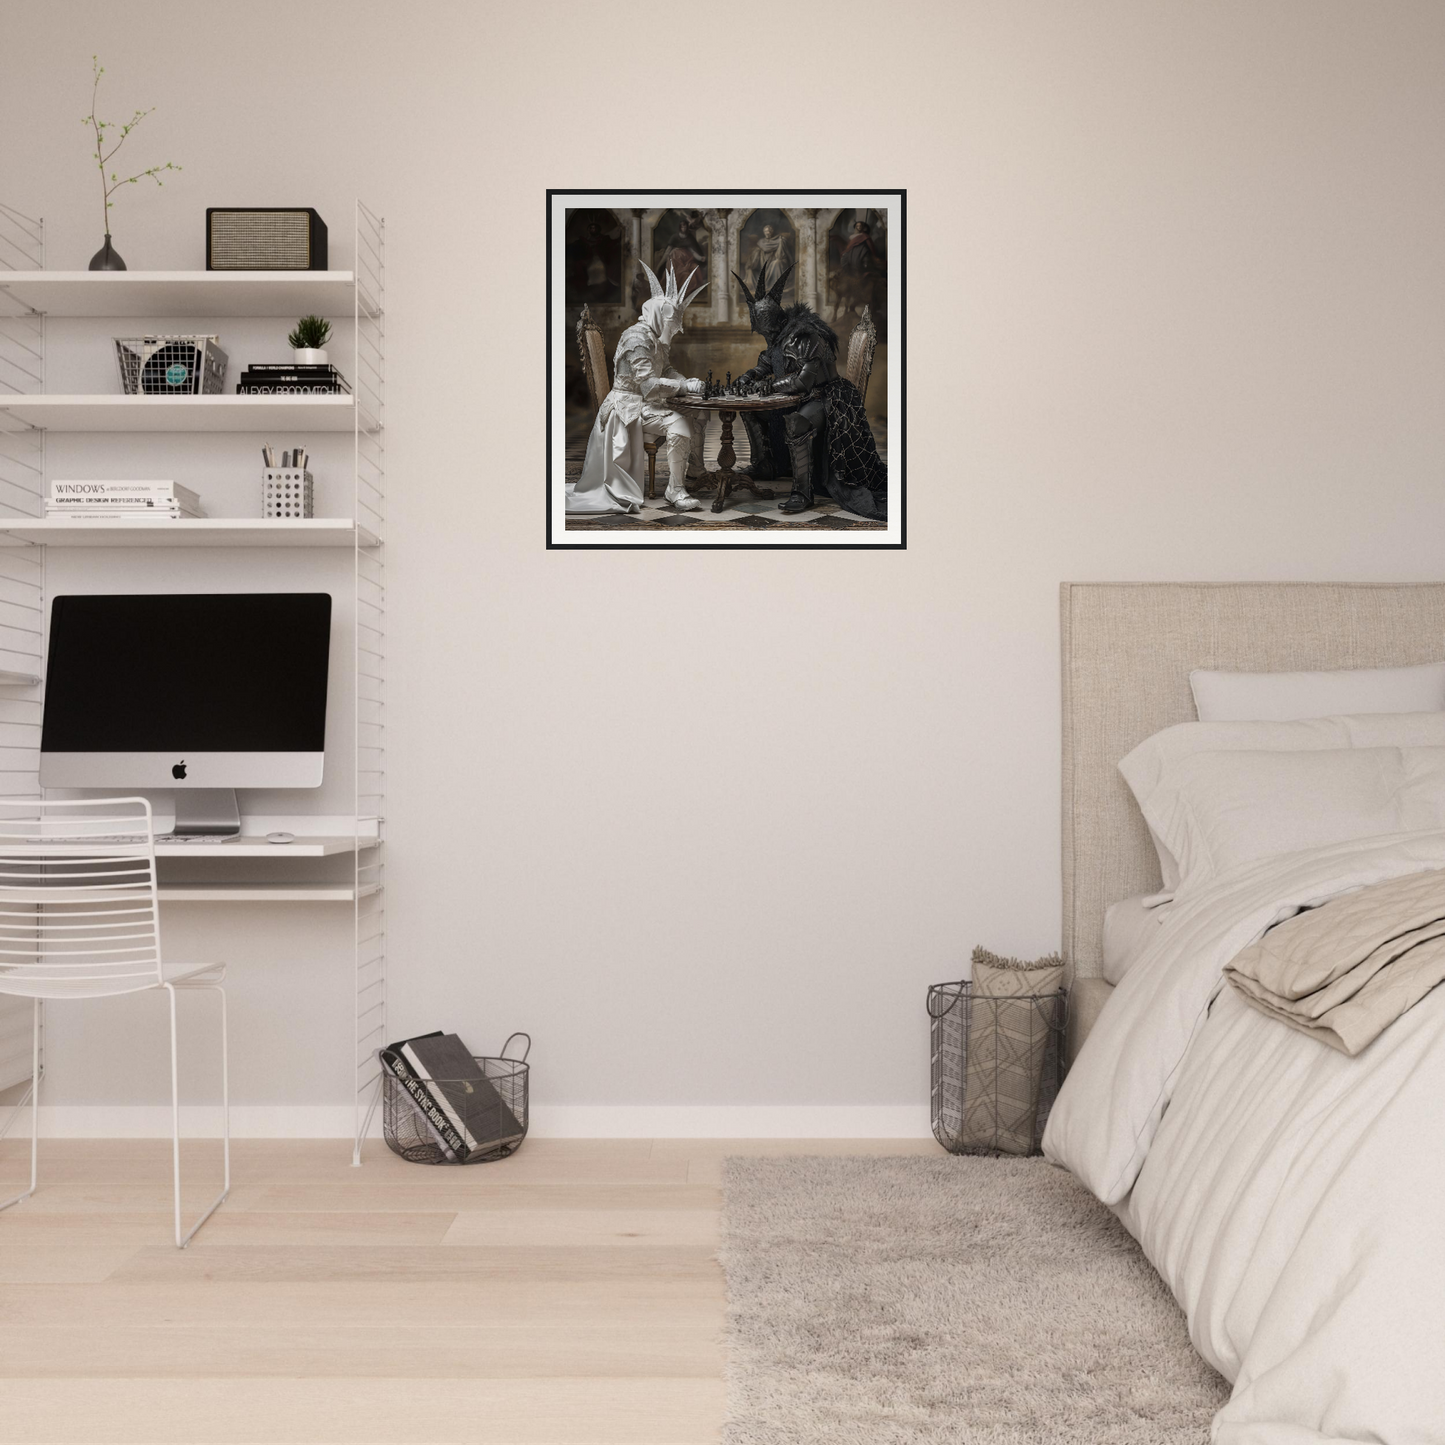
(286, 492)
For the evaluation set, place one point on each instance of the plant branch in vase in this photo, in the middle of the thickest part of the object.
(107, 259)
(308, 340)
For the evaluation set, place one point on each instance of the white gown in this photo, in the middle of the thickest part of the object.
(615, 472)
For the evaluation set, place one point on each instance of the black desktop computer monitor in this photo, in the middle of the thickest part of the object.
(202, 693)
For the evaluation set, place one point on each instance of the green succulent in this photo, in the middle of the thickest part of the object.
(311, 334)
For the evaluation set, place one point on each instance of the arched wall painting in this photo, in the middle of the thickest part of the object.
(682, 240)
(689, 416)
(767, 246)
(857, 274)
(594, 257)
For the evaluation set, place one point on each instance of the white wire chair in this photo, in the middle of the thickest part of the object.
(79, 918)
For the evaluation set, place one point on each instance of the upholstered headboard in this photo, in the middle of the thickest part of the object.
(1128, 648)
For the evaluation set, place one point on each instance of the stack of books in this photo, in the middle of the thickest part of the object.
(90, 500)
(287, 379)
(459, 1105)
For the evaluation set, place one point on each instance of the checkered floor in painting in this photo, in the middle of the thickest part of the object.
(744, 512)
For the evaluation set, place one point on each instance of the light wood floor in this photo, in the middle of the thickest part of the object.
(566, 1296)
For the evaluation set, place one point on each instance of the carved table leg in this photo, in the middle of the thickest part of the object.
(726, 476)
(726, 456)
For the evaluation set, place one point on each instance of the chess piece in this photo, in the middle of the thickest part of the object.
(730, 381)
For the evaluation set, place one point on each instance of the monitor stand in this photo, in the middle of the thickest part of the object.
(207, 813)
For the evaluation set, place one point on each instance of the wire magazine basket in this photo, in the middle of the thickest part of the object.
(408, 1132)
(170, 365)
(997, 1064)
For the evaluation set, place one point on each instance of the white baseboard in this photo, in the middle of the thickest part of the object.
(731, 1121)
(549, 1121)
(198, 1121)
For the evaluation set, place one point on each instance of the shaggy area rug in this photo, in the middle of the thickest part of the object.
(973, 1301)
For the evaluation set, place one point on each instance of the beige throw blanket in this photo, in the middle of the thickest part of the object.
(1008, 1036)
(1346, 971)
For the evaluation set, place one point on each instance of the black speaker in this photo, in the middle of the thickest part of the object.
(265, 238)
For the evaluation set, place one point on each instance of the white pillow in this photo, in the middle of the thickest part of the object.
(1216, 811)
(1283, 696)
(1130, 926)
(1145, 768)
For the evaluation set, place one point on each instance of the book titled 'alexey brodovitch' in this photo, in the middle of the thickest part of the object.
(461, 1106)
(287, 379)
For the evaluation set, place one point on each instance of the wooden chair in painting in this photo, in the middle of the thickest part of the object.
(594, 368)
(861, 346)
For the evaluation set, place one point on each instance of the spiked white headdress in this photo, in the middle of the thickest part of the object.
(662, 311)
(677, 295)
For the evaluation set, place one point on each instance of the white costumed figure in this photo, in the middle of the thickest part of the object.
(643, 379)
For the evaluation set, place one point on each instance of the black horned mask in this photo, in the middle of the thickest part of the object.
(765, 310)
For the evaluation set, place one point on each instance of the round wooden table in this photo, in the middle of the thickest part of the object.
(727, 406)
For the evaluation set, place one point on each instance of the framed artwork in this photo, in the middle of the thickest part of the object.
(726, 368)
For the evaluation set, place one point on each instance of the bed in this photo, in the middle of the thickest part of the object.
(1292, 1198)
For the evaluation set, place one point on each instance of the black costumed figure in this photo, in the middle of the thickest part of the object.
(826, 437)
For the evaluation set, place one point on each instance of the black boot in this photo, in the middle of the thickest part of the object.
(800, 448)
(763, 467)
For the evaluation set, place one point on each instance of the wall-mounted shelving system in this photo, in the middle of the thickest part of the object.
(29, 294)
(187, 413)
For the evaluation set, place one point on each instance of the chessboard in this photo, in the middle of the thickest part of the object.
(730, 395)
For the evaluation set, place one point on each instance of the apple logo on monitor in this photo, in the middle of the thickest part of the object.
(179, 771)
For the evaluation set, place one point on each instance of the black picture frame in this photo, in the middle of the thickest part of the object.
(897, 357)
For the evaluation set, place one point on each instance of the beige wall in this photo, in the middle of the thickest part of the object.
(708, 823)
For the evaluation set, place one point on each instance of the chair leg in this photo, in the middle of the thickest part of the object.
(34, 1093)
(651, 449)
(183, 1240)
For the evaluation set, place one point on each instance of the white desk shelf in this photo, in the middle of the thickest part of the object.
(247, 847)
(186, 532)
(100, 412)
(261, 892)
(284, 294)
(30, 414)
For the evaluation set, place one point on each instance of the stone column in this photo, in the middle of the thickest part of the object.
(825, 224)
(717, 271)
(736, 220)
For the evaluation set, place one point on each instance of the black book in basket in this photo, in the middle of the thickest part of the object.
(456, 1081)
(443, 1105)
(426, 1108)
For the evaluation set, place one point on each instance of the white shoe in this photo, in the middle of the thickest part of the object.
(682, 500)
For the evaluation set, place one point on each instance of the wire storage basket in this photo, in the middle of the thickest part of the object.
(997, 1064)
(492, 1129)
(170, 365)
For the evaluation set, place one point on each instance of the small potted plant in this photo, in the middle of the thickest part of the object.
(308, 341)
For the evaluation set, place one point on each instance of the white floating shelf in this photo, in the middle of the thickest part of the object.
(250, 847)
(187, 532)
(259, 892)
(287, 294)
(182, 413)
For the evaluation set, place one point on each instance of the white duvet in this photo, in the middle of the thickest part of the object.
(1293, 1198)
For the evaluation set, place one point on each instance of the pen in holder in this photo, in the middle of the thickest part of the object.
(286, 492)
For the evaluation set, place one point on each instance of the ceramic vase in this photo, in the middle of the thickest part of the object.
(107, 258)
